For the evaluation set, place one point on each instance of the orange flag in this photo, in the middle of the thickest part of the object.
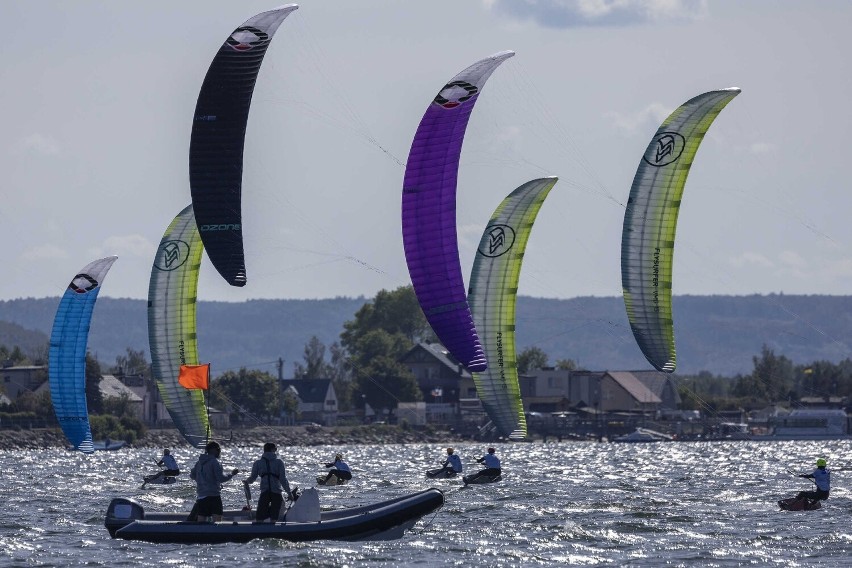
(195, 376)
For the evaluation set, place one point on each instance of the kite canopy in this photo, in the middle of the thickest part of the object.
(172, 295)
(67, 360)
(650, 221)
(218, 136)
(493, 295)
(429, 212)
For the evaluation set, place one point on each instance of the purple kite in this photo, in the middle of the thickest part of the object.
(429, 212)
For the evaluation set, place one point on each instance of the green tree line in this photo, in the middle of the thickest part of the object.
(365, 368)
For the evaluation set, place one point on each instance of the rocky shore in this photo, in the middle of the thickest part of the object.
(39, 438)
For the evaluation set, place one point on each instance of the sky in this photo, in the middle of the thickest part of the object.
(98, 97)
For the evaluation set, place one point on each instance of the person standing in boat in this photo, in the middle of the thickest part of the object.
(273, 480)
(822, 479)
(339, 469)
(209, 475)
(169, 463)
(452, 465)
(492, 467)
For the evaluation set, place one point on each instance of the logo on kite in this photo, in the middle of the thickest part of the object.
(246, 38)
(500, 240)
(171, 255)
(455, 93)
(83, 283)
(665, 148)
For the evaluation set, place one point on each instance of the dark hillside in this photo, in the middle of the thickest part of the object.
(719, 334)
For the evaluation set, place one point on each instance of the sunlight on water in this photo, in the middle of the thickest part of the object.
(578, 504)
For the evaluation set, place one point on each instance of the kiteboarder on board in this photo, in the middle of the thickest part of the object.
(452, 465)
(822, 479)
(169, 463)
(340, 470)
(273, 480)
(492, 467)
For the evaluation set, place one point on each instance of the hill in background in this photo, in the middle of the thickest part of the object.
(719, 334)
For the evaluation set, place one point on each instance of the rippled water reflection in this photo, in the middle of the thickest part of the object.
(579, 504)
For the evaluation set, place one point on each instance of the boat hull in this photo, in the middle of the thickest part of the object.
(379, 521)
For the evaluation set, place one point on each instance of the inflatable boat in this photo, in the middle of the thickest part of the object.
(127, 519)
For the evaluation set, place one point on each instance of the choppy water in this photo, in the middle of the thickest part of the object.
(577, 504)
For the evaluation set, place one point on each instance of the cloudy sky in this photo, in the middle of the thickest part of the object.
(98, 96)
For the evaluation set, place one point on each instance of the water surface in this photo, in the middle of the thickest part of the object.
(572, 503)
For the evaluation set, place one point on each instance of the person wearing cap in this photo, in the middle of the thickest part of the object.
(169, 463)
(339, 469)
(492, 467)
(209, 475)
(452, 465)
(273, 480)
(822, 479)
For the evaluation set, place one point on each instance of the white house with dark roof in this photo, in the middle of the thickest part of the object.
(18, 379)
(317, 399)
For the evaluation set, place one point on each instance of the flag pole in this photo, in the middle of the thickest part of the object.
(208, 405)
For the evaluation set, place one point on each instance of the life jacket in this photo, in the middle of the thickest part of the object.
(822, 477)
(169, 462)
(491, 461)
(455, 461)
(271, 471)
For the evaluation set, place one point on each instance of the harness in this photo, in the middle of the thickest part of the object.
(269, 470)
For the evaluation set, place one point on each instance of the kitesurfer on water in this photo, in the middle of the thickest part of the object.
(208, 474)
(452, 465)
(169, 463)
(822, 478)
(492, 467)
(339, 469)
(273, 480)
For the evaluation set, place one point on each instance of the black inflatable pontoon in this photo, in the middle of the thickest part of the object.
(386, 520)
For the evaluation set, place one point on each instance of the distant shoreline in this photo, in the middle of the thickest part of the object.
(44, 438)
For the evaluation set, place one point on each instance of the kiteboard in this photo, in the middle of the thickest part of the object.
(469, 480)
(440, 473)
(333, 480)
(794, 504)
(161, 480)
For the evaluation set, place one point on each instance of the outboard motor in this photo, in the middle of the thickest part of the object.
(121, 512)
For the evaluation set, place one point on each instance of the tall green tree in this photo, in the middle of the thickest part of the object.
(132, 363)
(382, 332)
(770, 381)
(338, 371)
(386, 382)
(823, 378)
(15, 355)
(314, 366)
(251, 394)
(397, 312)
(94, 399)
(531, 358)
